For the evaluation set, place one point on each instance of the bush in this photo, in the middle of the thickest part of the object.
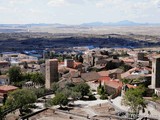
(154, 97)
(92, 97)
(55, 87)
(104, 96)
(101, 90)
(39, 92)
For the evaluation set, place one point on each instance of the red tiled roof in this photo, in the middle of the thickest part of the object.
(128, 73)
(4, 77)
(7, 88)
(103, 73)
(76, 64)
(104, 79)
(128, 60)
(90, 76)
(114, 84)
(28, 60)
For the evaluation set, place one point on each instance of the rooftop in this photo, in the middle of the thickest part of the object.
(7, 88)
(90, 76)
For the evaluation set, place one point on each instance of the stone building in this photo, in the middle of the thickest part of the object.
(69, 63)
(140, 56)
(155, 83)
(51, 72)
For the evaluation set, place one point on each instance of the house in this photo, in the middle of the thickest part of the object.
(90, 76)
(137, 71)
(114, 73)
(103, 73)
(138, 75)
(5, 89)
(4, 80)
(128, 60)
(4, 64)
(113, 87)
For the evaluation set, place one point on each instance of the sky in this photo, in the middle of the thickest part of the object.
(78, 11)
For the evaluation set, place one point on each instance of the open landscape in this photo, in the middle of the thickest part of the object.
(41, 37)
(79, 59)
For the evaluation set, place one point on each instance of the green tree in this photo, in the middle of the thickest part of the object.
(101, 89)
(19, 98)
(75, 95)
(52, 55)
(104, 96)
(83, 88)
(15, 74)
(60, 99)
(34, 77)
(134, 99)
(125, 67)
(37, 78)
(80, 59)
(26, 76)
(1, 113)
(125, 81)
(25, 65)
(39, 92)
(41, 61)
(54, 87)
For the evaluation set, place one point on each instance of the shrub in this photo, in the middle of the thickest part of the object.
(104, 96)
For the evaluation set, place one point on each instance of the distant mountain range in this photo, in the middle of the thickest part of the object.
(91, 24)
(120, 23)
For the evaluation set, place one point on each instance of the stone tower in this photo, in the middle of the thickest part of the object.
(51, 72)
(155, 83)
(69, 63)
(140, 56)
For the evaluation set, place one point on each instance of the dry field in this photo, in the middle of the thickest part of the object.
(139, 30)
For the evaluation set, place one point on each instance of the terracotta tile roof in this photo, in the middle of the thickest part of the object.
(72, 74)
(104, 79)
(106, 73)
(4, 62)
(71, 69)
(28, 60)
(90, 76)
(76, 64)
(156, 56)
(77, 80)
(103, 73)
(115, 71)
(7, 88)
(75, 74)
(114, 84)
(4, 77)
(131, 76)
(128, 60)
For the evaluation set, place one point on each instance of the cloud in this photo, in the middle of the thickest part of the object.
(103, 3)
(157, 3)
(19, 1)
(3, 8)
(128, 5)
(57, 3)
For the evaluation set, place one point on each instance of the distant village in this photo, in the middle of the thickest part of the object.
(109, 73)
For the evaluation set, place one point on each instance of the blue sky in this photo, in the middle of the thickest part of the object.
(78, 11)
